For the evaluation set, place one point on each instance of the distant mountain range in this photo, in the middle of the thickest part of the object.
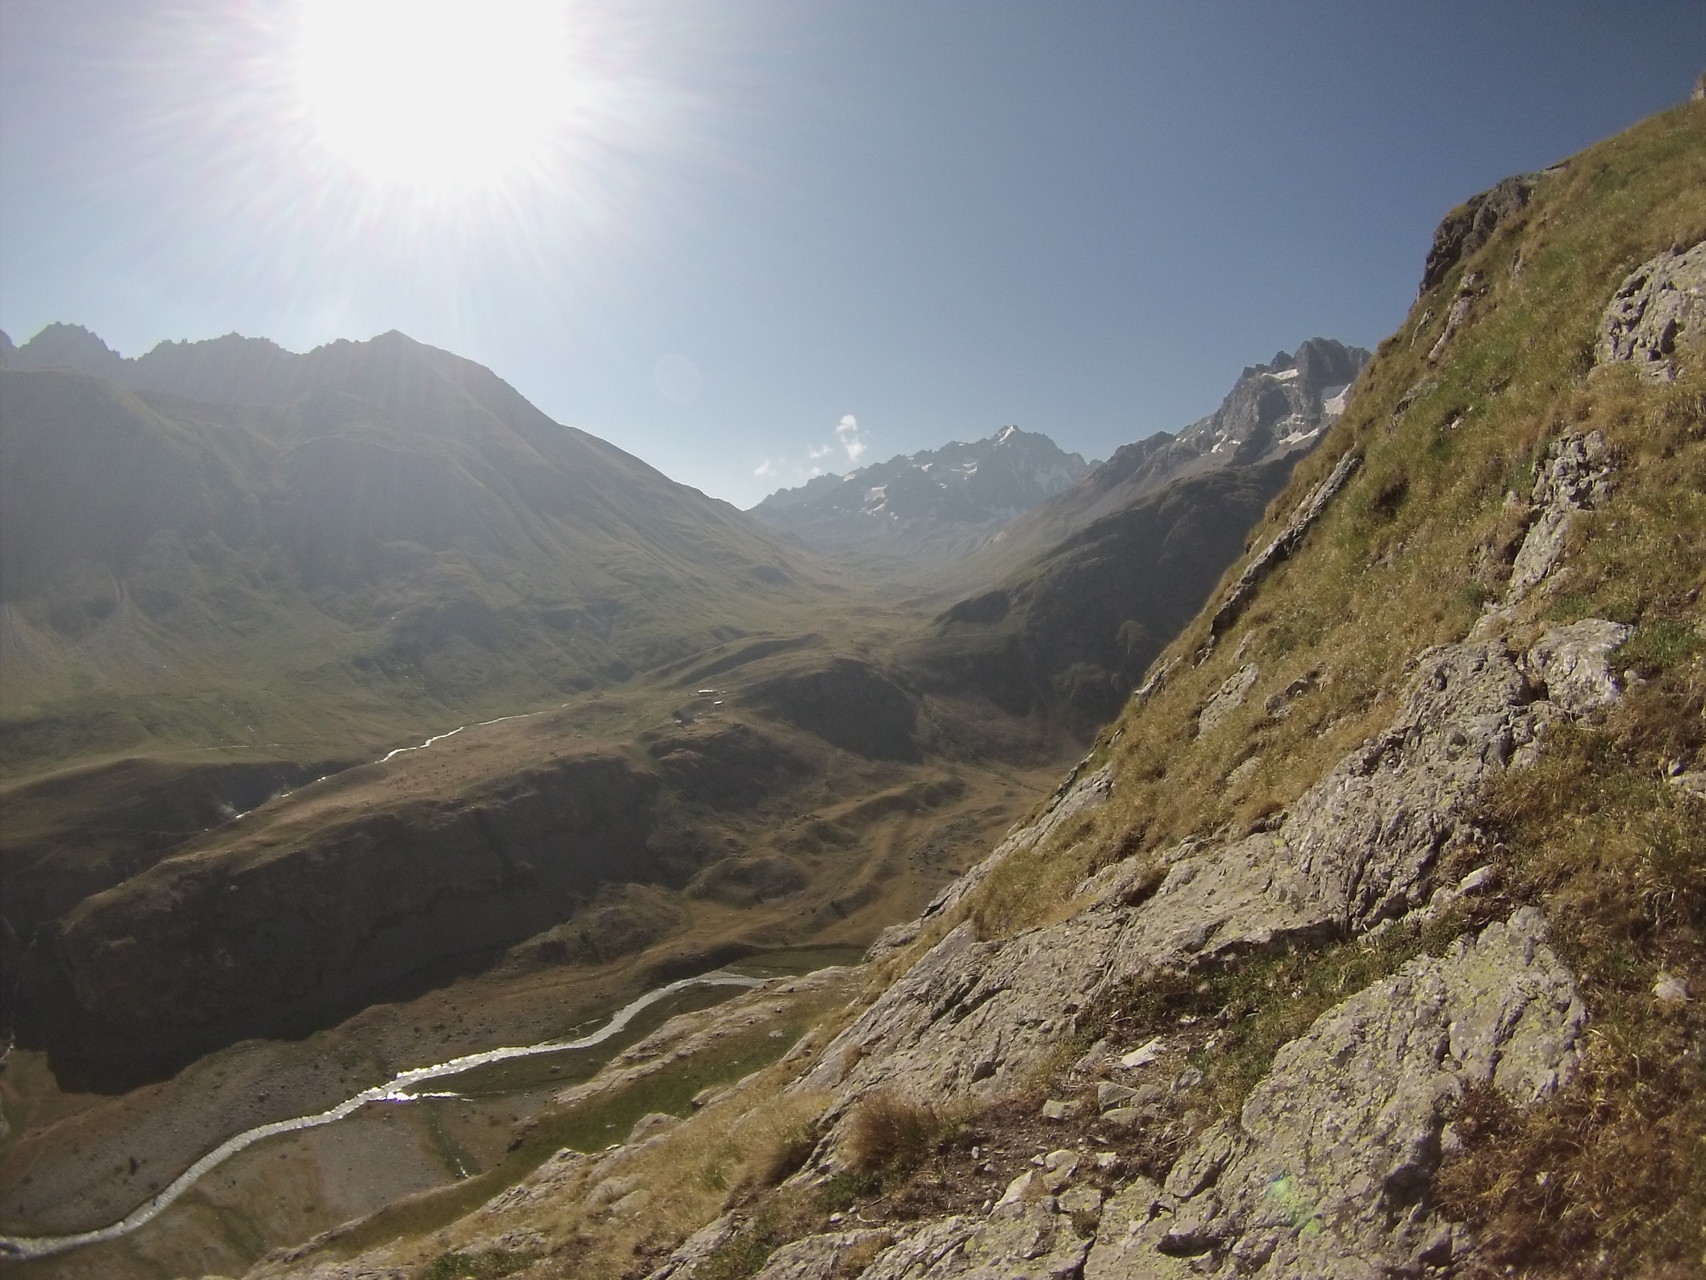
(1020, 488)
(939, 502)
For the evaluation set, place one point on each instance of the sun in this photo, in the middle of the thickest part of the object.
(446, 95)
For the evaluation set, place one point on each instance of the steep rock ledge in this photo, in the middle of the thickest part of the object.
(975, 1019)
(1325, 1171)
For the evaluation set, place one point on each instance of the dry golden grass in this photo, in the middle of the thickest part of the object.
(725, 1154)
(1419, 540)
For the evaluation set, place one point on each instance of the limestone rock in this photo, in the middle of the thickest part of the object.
(1110, 1095)
(1143, 1055)
(972, 1018)
(698, 1249)
(1082, 1202)
(1573, 664)
(1462, 303)
(650, 1124)
(1576, 477)
(1670, 989)
(1325, 1170)
(826, 1257)
(1228, 698)
(1469, 226)
(1693, 783)
(1028, 1239)
(1654, 308)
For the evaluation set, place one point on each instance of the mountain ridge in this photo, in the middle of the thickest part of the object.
(936, 502)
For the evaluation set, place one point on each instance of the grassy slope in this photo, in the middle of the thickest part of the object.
(1406, 558)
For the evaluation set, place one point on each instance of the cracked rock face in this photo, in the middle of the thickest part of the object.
(1228, 698)
(1653, 309)
(973, 1019)
(1576, 477)
(826, 1257)
(1325, 1172)
(1031, 1240)
(1468, 227)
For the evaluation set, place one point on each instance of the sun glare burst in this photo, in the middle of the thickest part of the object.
(439, 94)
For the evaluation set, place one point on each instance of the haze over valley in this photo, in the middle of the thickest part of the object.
(924, 647)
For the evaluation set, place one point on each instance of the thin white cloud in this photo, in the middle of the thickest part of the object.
(785, 471)
(847, 432)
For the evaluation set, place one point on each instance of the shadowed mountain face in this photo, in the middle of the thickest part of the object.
(939, 503)
(1071, 632)
(383, 528)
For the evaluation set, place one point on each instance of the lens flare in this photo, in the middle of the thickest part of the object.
(436, 93)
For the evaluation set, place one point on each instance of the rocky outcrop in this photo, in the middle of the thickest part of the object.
(1655, 307)
(1029, 1239)
(1326, 1170)
(1575, 477)
(974, 1019)
(1472, 286)
(833, 1256)
(1469, 226)
(1228, 698)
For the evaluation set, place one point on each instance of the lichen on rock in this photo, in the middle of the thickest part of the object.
(1325, 1172)
(1654, 308)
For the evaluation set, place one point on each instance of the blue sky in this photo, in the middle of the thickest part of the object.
(762, 218)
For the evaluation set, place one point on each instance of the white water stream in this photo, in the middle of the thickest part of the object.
(396, 1089)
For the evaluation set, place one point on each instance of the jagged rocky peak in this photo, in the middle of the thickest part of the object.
(942, 499)
(1281, 405)
(69, 346)
(1273, 410)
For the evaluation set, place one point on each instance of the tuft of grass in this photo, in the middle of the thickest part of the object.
(889, 1135)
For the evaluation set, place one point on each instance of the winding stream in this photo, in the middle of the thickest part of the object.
(400, 1088)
